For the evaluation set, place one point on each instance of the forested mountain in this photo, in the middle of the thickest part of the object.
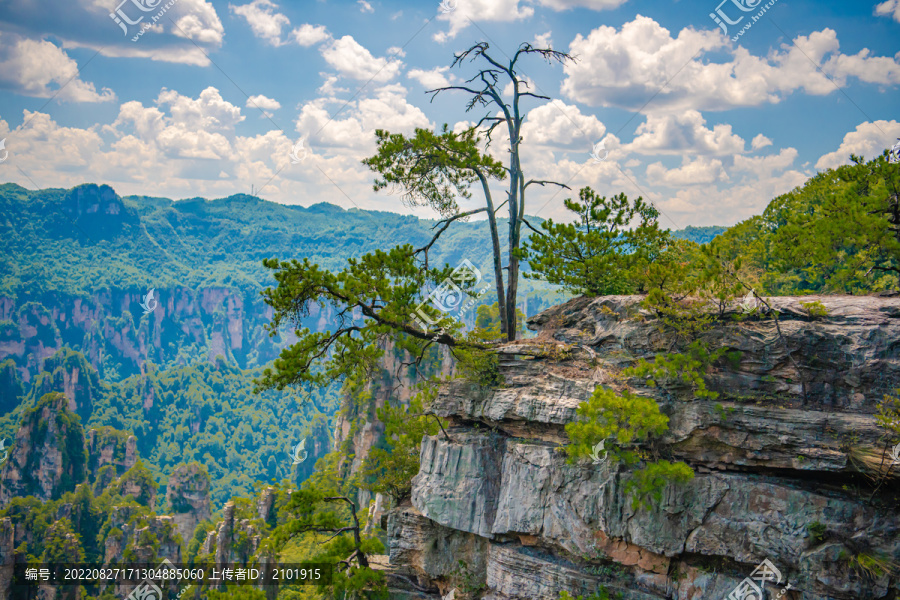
(75, 267)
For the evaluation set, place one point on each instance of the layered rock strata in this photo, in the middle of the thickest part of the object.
(778, 457)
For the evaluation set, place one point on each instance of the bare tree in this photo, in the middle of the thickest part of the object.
(487, 92)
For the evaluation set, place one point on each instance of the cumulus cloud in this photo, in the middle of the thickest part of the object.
(642, 61)
(701, 171)
(890, 8)
(197, 20)
(543, 40)
(867, 140)
(559, 124)
(387, 109)
(365, 7)
(684, 133)
(265, 23)
(264, 103)
(41, 69)
(185, 146)
(309, 35)
(430, 79)
(184, 34)
(760, 141)
(352, 59)
(480, 10)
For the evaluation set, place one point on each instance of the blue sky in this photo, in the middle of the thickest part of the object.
(212, 98)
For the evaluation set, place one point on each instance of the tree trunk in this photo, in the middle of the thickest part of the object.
(498, 265)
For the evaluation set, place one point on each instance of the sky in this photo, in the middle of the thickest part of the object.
(708, 108)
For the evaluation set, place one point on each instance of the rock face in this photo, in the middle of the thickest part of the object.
(48, 457)
(776, 458)
(187, 493)
(108, 446)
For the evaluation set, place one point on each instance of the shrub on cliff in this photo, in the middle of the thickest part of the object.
(603, 252)
(613, 427)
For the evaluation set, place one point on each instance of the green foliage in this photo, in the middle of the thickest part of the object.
(320, 508)
(889, 415)
(815, 309)
(389, 470)
(487, 321)
(602, 253)
(872, 565)
(432, 169)
(838, 231)
(619, 421)
(649, 482)
(816, 532)
(685, 367)
(385, 288)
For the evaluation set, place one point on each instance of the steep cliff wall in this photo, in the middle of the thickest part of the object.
(775, 472)
(111, 329)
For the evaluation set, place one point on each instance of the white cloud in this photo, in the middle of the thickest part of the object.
(889, 8)
(431, 79)
(264, 103)
(684, 134)
(543, 40)
(766, 165)
(702, 170)
(39, 68)
(868, 140)
(351, 59)
(481, 11)
(760, 141)
(396, 51)
(628, 67)
(268, 24)
(309, 35)
(365, 7)
(209, 112)
(562, 125)
(329, 88)
(388, 109)
(198, 22)
(263, 20)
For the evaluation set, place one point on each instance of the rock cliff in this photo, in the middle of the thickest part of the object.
(497, 511)
(48, 456)
(187, 493)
